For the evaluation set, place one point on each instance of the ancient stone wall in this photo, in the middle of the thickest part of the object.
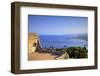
(32, 39)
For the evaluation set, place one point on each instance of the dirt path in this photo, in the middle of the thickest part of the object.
(40, 56)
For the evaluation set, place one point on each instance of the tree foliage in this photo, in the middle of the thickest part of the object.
(77, 52)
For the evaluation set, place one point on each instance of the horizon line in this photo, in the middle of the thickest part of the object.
(59, 34)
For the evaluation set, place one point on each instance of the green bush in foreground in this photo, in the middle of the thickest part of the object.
(76, 52)
(73, 52)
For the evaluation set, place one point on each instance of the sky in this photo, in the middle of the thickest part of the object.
(57, 25)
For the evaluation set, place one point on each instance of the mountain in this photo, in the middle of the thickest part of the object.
(82, 36)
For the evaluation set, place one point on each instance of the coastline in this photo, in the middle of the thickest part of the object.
(37, 52)
(34, 54)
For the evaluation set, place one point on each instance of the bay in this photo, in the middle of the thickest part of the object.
(60, 41)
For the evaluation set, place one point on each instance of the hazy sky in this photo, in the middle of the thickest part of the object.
(57, 25)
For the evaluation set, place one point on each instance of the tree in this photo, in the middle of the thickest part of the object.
(76, 52)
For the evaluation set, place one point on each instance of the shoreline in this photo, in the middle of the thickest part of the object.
(36, 52)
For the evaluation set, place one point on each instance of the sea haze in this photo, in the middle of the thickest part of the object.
(60, 41)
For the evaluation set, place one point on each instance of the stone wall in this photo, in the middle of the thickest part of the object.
(32, 38)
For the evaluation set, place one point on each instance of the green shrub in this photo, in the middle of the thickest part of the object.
(76, 52)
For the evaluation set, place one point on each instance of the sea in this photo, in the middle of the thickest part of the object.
(60, 41)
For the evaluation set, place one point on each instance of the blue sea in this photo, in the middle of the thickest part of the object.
(60, 41)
